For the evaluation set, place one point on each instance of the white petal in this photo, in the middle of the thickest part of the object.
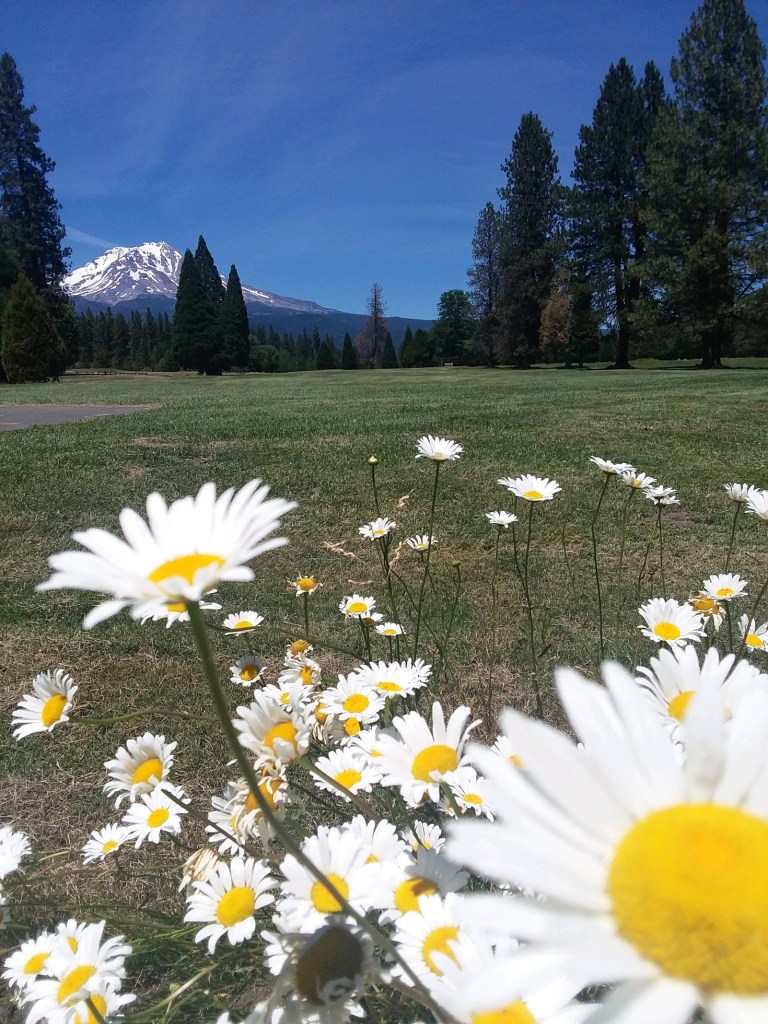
(660, 1001)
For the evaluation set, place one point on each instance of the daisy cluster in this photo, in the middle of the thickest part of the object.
(365, 840)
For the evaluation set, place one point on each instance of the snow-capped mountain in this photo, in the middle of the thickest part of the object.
(152, 269)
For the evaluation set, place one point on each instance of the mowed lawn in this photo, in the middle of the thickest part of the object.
(309, 436)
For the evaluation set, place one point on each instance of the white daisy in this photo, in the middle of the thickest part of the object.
(661, 495)
(139, 767)
(47, 707)
(421, 669)
(390, 679)
(353, 698)
(611, 468)
(389, 629)
(304, 585)
(501, 518)
(653, 871)
(377, 529)
(348, 768)
(107, 1001)
(405, 882)
(357, 606)
(187, 548)
(757, 503)
(470, 793)
(13, 846)
(228, 898)
(708, 608)
(739, 493)
(724, 586)
(154, 813)
(198, 866)
(273, 734)
(248, 670)
(236, 817)
(421, 542)
(105, 841)
(439, 449)
(242, 622)
(636, 481)
(423, 833)
(379, 839)
(504, 747)
(755, 637)
(343, 860)
(433, 928)
(423, 756)
(670, 622)
(300, 669)
(29, 960)
(175, 611)
(531, 488)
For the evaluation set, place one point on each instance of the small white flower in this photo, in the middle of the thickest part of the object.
(13, 846)
(739, 493)
(139, 767)
(47, 707)
(661, 495)
(724, 586)
(755, 637)
(105, 841)
(637, 481)
(670, 622)
(153, 814)
(228, 898)
(350, 769)
(421, 542)
(389, 629)
(439, 449)
(357, 606)
(611, 468)
(531, 488)
(757, 504)
(377, 529)
(242, 622)
(501, 518)
(248, 670)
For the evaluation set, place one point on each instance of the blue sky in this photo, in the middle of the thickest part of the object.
(319, 146)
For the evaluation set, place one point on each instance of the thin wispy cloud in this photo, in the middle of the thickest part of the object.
(75, 235)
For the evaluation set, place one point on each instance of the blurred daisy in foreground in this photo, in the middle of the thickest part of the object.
(424, 754)
(228, 898)
(377, 529)
(248, 670)
(501, 518)
(139, 767)
(304, 585)
(184, 550)
(652, 870)
(242, 622)
(13, 846)
(357, 606)
(105, 841)
(47, 707)
(755, 637)
(438, 449)
(174, 611)
(531, 488)
(670, 622)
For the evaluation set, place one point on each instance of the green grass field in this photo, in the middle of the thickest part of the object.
(309, 437)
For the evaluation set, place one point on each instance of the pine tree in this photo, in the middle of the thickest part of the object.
(31, 350)
(404, 345)
(610, 235)
(30, 225)
(707, 178)
(420, 351)
(484, 274)
(103, 337)
(121, 343)
(233, 319)
(349, 360)
(373, 334)
(455, 324)
(389, 356)
(555, 329)
(209, 273)
(532, 198)
(195, 322)
(326, 356)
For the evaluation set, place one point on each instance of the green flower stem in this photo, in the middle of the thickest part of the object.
(366, 638)
(661, 555)
(729, 619)
(597, 564)
(305, 598)
(249, 774)
(430, 534)
(529, 607)
(193, 812)
(733, 535)
(451, 799)
(360, 803)
(492, 665)
(567, 560)
(375, 492)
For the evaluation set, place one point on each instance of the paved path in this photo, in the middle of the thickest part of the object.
(16, 417)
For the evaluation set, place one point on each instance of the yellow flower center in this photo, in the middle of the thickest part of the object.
(158, 817)
(101, 1005)
(516, 760)
(249, 672)
(515, 1013)
(151, 768)
(268, 788)
(408, 892)
(176, 606)
(351, 727)
(73, 944)
(320, 716)
(285, 731)
(243, 624)
(437, 758)
(323, 899)
(236, 905)
(35, 963)
(298, 647)
(473, 798)
(355, 703)
(705, 605)
(69, 988)
(389, 687)
(437, 942)
(357, 608)
(725, 591)
(753, 640)
(53, 709)
(184, 567)
(305, 583)
(678, 706)
(533, 495)
(689, 886)
(306, 675)
(348, 778)
(389, 632)
(109, 846)
(667, 631)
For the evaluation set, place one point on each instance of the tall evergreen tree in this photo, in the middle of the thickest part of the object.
(31, 350)
(707, 177)
(209, 273)
(233, 318)
(373, 334)
(389, 356)
(195, 322)
(326, 356)
(349, 360)
(610, 235)
(484, 274)
(532, 198)
(30, 225)
(405, 343)
(455, 324)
